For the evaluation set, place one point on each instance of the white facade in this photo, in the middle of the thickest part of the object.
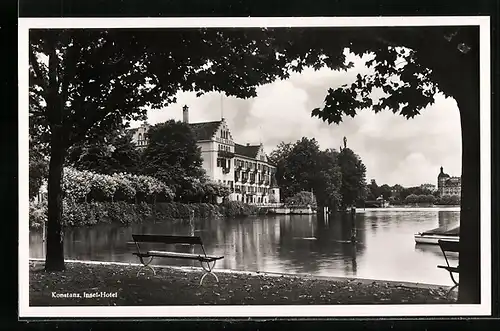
(139, 135)
(245, 169)
(449, 185)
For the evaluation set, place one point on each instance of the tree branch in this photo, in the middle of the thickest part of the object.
(68, 67)
(39, 77)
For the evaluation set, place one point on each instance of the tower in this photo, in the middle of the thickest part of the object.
(442, 177)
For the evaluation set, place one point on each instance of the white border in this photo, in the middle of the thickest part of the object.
(257, 311)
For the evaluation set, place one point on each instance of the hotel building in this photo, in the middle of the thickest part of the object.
(245, 169)
(449, 185)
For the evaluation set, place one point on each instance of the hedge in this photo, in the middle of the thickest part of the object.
(87, 186)
(120, 212)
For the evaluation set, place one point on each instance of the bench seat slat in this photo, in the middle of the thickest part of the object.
(152, 238)
(180, 255)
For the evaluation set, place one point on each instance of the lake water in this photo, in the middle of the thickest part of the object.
(308, 244)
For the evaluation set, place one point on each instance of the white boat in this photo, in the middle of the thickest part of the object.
(441, 233)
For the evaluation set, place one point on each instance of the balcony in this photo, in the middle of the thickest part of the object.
(226, 170)
(252, 181)
(225, 154)
(244, 180)
(261, 182)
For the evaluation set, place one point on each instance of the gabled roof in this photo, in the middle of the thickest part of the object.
(204, 130)
(248, 151)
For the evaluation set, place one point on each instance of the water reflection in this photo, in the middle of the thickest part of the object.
(384, 247)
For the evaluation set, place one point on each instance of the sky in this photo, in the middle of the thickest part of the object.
(394, 150)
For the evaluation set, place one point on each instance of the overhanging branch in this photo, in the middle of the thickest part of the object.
(39, 77)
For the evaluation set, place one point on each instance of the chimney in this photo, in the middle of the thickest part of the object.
(185, 114)
(248, 144)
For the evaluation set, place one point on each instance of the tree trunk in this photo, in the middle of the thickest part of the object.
(469, 258)
(54, 260)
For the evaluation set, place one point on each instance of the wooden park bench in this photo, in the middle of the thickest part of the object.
(210, 260)
(449, 246)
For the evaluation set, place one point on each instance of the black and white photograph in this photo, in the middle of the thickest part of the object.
(254, 167)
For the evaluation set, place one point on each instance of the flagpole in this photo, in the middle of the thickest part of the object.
(221, 107)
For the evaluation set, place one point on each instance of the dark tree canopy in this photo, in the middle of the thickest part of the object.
(113, 153)
(353, 177)
(172, 154)
(92, 80)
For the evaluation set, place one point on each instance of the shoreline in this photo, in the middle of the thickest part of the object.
(261, 273)
(90, 283)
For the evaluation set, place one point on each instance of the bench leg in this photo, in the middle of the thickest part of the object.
(146, 265)
(208, 271)
(451, 289)
(453, 279)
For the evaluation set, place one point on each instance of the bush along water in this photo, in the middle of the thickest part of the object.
(124, 213)
(91, 198)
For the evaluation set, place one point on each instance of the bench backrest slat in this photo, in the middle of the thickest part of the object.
(153, 238)
(449, 246)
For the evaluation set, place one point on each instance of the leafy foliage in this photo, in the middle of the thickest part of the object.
(88, 186)
(448, 200)
(353, 177)
(295, 166)
(123, 213)
(113, 153)
(172, 154)
(38, 170)
(37, 214)
(301, 198)
(335, 178)
(327, 179)
(240, 209)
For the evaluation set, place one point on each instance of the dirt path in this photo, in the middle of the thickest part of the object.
(95, 284)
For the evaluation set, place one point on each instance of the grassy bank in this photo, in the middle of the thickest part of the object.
(178, 287)
(86, 214)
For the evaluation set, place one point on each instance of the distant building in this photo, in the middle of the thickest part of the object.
(246, 169)
(139, 135)
(430, 187)
(448, 185)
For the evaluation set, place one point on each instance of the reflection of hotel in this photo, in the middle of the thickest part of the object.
(449, 185)
(244, 168)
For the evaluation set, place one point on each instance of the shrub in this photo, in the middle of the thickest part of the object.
(412, 198)
(143, 210)
(302, 198)
(37, 214)
(97, 212)
(76, 214)
(125, 190)
(448, 200)
(238, 208)
(89, 186)
(76, 184)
